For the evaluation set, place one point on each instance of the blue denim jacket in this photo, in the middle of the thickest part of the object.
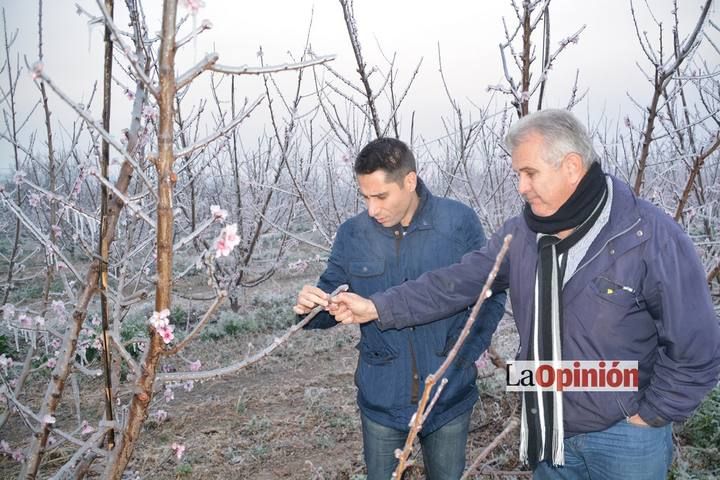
(639, 294)
(393, 364)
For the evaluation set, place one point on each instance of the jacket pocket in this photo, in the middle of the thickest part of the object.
(376, 354)
(367, 268)
(615, 292)
(378, 377)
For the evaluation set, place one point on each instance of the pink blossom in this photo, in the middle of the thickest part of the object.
(55, 344)
(195, 366)
(34, 200)
(168, 394)
(19, 177)
(149, 112)
(40, 321)
(86, 428)
(166, 333)
(57, 231)
(8, 311)
(160, 319)
(52, 361)
(482, 361)
(218, 213)
(4, 446)
(161, 324)
(96, 320)
(25, 321)
(227, 240)
(58, 308)
(37, 69)
(193, 5)
(18, 456)
(5, 362)
(130, 95)
(160, 415)
(179, 449)
(48, 419)
(188, 386)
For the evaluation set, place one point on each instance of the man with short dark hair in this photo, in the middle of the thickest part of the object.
(595, 274)
(405, 232)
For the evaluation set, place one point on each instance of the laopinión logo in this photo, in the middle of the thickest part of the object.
(572, 375)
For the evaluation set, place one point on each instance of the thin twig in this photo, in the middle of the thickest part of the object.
(512, 425)
(421, 412)
(185, 376)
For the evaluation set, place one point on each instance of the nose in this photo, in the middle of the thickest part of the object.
(372, 207)
(523, 185)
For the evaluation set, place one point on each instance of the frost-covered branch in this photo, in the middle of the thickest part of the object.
(277, 341)
(80, 110)
(222, 132)
(204, 64)
(263, 70)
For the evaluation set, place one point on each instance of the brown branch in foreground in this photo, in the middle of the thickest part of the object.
(714, 273)
(143, 385)
(185, 376)
(421, 414)
(698, 162)
(512, 425)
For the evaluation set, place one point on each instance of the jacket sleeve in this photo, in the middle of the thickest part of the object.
(333, 276)
(442, 292)
(688, 355)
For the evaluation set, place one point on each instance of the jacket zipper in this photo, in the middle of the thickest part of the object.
(415, 383)
(606, 244)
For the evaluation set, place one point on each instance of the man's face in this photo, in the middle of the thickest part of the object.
(545, 187)
(388, 202)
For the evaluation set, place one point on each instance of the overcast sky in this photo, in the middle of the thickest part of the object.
(468, 32)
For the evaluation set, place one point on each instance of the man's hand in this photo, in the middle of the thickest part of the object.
(350, 308)
(637, 420)
(309, 298)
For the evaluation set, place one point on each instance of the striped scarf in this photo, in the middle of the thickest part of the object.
(542, 433)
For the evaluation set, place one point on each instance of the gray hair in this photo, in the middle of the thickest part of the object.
(561, 131)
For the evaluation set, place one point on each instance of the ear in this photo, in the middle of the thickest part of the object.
(410, 181)
(574, 168)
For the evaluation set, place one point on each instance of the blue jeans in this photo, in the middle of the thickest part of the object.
(626, 451)
(443, 450)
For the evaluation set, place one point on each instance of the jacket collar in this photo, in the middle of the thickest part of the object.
(624, 213)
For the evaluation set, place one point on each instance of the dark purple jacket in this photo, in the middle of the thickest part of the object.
(664, 319)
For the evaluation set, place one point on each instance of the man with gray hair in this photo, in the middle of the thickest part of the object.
(596, 276)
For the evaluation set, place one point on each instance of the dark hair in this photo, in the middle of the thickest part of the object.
(387, 154)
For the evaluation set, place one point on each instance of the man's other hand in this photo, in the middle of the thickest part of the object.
(309, 298)
(351, 308)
